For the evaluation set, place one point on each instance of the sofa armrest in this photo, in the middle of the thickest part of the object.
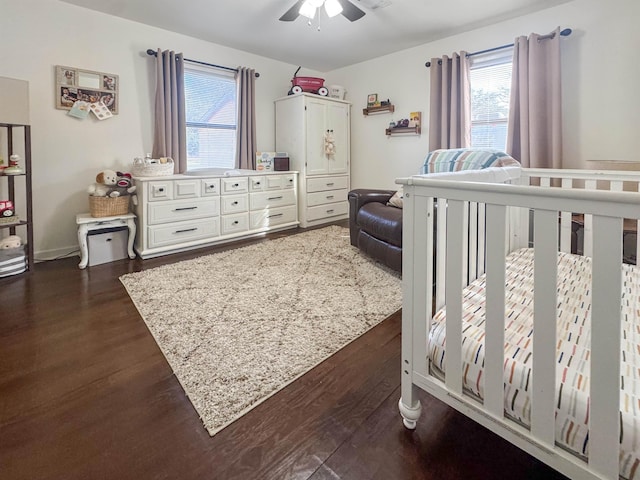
(362, 196)
(359, 197)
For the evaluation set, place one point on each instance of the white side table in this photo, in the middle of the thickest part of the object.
(87, 223)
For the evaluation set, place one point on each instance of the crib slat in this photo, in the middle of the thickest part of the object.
(604, 427)
(465, 244)
(565, 222)
(441, 250)
(588, 223)
(453, 294)
(544, 330)
(545, 181)
(473, 241)
(481, 238)
(494, 339)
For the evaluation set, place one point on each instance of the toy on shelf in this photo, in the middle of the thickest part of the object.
(14, 167)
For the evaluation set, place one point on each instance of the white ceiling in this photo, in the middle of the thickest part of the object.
(253, 26)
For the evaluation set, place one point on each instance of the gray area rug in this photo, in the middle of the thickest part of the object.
(238, 326)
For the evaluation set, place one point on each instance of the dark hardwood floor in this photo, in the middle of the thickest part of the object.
(85, 393)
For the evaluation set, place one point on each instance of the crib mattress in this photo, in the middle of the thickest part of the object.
(573, 350)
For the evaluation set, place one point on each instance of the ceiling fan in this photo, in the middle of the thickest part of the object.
(308, 8)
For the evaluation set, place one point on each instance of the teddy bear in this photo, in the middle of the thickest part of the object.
(105, 181)
(12, 241)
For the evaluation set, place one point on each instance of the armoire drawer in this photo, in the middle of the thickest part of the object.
(179, 210)
(176, 233)
(330, 196)
(272, 199)
(328, 210)
(321, 184)
(272, 217)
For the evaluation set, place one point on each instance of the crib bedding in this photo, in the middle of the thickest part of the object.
(573, 350)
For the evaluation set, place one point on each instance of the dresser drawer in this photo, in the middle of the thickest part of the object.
(235, 185)
(327, 211)
(330, 196)
(234, 223)
(162, 190)
(163, 235)
(186, 189)
(320, 184)
(272, 217)
(209, 187)
(179, 210)
(234, 204)
(272, 199)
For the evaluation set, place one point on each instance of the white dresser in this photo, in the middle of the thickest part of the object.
(181, 212)
(301, 124)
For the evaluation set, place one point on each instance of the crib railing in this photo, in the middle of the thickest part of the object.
(497, 225)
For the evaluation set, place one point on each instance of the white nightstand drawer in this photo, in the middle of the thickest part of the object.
(182, 232)
(328, 210)
(320, 184)
(234, 223)
(160, 190)
(179, 210)
(209, 187)
(330, 196)
(235, 185)
(272, 217)
(271, 199)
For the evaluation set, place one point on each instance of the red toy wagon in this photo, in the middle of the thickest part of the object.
(308, 84)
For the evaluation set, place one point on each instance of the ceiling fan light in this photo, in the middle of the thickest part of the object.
(307, 10)
(332, 7)
(315, 3)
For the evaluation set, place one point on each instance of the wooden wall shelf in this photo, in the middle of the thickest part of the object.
(380, 109)
(403, 130)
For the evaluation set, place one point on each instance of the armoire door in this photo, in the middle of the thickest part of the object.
(337, 120)
(316, 116)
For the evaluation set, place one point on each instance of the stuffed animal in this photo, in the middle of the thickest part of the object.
(105, 181)
(124, 185)
(12, 241)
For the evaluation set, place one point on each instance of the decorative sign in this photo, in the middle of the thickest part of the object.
(76, 85)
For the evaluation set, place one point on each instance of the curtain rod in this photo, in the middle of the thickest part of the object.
(565, 33)
(155, 54)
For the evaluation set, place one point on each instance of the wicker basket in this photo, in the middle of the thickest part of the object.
(107, 206)
(152, 170)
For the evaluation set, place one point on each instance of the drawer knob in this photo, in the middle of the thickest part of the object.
(235, 185)
(236, 222)
(235, 203)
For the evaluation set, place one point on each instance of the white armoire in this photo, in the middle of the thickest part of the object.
(304, 124)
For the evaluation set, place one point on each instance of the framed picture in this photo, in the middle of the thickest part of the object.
(372, 99)
(75, 84)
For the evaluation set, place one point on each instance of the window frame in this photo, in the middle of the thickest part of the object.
(486, 60)
(226, 75)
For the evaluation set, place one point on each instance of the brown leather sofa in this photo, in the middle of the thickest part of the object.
(375, 227)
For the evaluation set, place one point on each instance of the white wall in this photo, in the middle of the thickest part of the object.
(601, 98)
(67, 152)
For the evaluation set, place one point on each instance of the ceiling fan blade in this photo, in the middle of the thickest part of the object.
(350, 11)
(293, 13)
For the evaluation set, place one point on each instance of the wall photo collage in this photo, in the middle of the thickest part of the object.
(81, 91)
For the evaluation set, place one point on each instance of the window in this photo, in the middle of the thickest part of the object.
(211, 117)
(490, 80)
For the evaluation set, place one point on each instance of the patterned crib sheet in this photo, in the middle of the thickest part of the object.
(573, 350)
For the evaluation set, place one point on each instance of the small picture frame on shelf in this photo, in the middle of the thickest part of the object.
(372, 100)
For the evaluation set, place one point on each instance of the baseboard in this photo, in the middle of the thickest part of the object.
(57, 253)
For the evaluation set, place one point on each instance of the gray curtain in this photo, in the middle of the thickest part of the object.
(534, 135)
(246, 148)
(169, 136)
(450, 102)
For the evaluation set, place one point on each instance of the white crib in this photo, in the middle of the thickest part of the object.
(479, 217)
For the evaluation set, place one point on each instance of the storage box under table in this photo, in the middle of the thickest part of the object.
(107, 245)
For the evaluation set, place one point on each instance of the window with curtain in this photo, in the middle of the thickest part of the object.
(211, 117)
(490, 79)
